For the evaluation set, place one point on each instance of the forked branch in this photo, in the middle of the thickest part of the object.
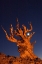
(10, 38)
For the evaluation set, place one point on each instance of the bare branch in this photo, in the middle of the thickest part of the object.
(24, 30)
(4, 30)
(30, 27)
(17, 26)
(31, 35)
(10, 38)
(33, 43)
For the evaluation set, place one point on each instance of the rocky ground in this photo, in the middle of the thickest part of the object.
(17, 60)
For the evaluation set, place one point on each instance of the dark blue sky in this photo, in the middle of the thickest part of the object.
(26, 11)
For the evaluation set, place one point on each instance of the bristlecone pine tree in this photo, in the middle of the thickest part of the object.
(25, 47)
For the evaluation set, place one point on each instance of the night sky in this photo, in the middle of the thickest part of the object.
(26, 11)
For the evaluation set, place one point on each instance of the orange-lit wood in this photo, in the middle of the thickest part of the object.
(25, 47)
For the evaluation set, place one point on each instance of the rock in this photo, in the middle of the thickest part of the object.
(18, 60)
